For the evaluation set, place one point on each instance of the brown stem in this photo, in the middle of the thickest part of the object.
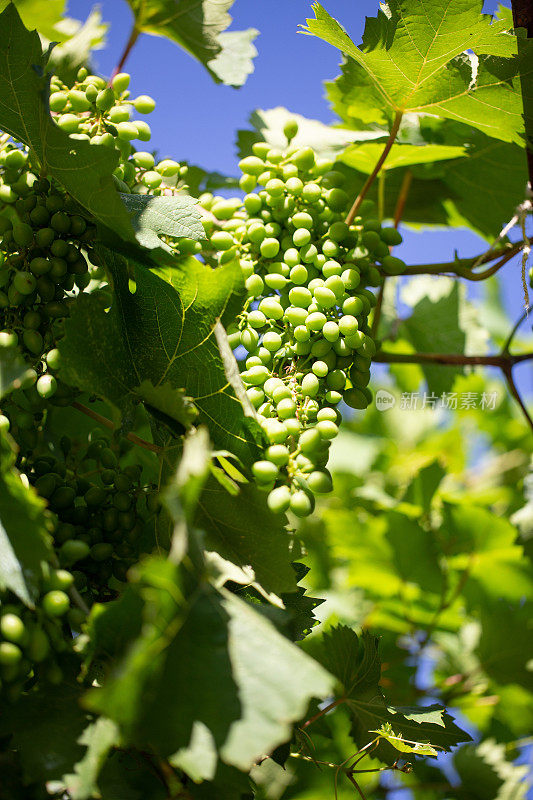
(325, 710)
(508, 341)
(463, 267)
(134, 35)
(372, 177)
(354, 782)
(451, 359)
(402, 197)
(504, 361)
(507, 371)
(132, 437)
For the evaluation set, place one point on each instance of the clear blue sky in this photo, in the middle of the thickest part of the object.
(196, 119)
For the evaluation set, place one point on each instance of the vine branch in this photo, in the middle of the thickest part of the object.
(132, 437)
(463, 267)
(372, 177)
(134, 35)
(504, 361)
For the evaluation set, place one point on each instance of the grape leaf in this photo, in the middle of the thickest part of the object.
(487, 774)
(356, 664)
(85, 170)
(162, 333)
(171, 216)
(404, 745)
(414, 58)
(77, 41)
(220, 684)
(506, 642)
(199, 27)
(364, 156)
(41, 14)
(99, 737)
(45, 726)
(24, 541)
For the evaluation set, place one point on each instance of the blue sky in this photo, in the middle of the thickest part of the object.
(196, 119)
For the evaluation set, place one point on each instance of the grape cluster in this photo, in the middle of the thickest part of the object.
(305, 324)
(32, 641)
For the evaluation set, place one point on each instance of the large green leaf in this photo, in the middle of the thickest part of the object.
(24, 540)
(85, 170)
(356, 664)
(152, 217)
(364, 156)
(45, 726)
(41, 14)
(413, 58)
(199, 26)
(99, 737)
(199, 668)
(163, 334)
(486, 773)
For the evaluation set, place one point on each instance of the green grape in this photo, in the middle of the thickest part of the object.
(279, 499)
(393, 265)
(55, 603)
(12, 628)
(301, 504)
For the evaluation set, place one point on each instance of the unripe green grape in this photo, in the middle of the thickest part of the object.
(247, 183)
(143, 160)
(362, 362)
(301, 504)
(152, 179)
(327, 429)
(119, 114)
(391, 236)
(252, 165)
(33, 341)
(46, 386)
(264, 471)
(126, 131)
(68, 123)
(308, 253)
(333, 397)
(78, 100)
(293, 426)
(327, 413)
(331, 267)
(351, 278)
(256, 376)
(58, 101)
(301, 237)
(275, 187)
(4, 424)
(353, 306)
(275, 431)
(272, 341)
(290, 129)
(299, 274)
(321, 348)
(291, 256)
(371, 239)
(286, 408)
(338, 231)
(336, 380)
(281, 393)
(105, 99)
(325, 297)
(320, 369)
(295, 186)
(276, 281)
(144, 104)
(269, 247)
(289, 171)
(315, 321)
(256, 233)
(10, 654)
(55, 603)
(311, 192)
(261, 149)
(335, 284)
(330, 331)
(60, 579)
(72, 551)
(256, 396)
(254, 285)
(120, 83)
(368, 346)
(320, 482)
(355, 398)
(253, 361)
(302, 220)
(296, 315)
(279, 499)
(278, 454)
(358, 378)
(310, 385)
(272, 384)
(271, 307)
(39, 646)
(300, 297)
(304, 158)
(256, 319)
(12, 628)
(392, 265)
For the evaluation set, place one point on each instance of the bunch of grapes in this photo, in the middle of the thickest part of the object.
(305, 324)
(32, 641)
